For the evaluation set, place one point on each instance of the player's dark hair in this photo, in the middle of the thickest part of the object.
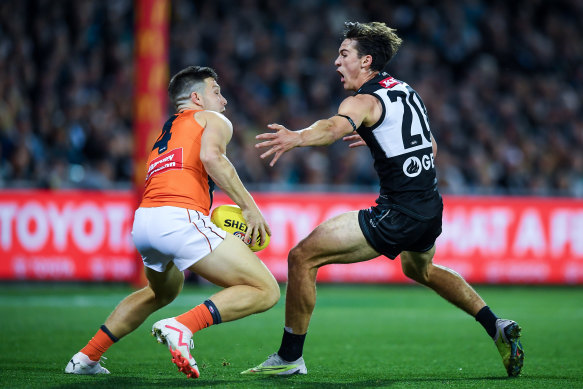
(375, 39)
(188, 80)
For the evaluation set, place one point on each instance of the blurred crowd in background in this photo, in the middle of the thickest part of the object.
(502, 82)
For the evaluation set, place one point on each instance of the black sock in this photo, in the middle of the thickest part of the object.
(108, 333)
(214, 311)
(292, 346)
(488, 320)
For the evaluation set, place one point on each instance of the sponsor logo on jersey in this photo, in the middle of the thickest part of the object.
(388, 82)
(413, 165)
(169, 161)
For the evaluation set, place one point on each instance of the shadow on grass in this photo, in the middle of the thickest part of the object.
(252, 382)
(286, 382)
(139, 382)
(293, 382)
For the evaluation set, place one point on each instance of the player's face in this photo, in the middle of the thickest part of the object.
(213, 100)
(348, 65)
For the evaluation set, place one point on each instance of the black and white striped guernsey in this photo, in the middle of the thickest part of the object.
(400, 143)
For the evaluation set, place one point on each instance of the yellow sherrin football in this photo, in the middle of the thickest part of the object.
(230, 219)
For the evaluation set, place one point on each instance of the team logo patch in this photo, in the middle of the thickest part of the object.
(171, 160)
(412, 167)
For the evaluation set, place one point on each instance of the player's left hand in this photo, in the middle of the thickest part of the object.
(278, 142)
(354, 138)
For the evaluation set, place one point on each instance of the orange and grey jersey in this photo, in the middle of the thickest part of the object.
(400, 144)
(176, 175)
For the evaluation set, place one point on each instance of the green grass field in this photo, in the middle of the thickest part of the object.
(361, 336)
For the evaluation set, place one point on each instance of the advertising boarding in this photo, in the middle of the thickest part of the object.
(499, 240)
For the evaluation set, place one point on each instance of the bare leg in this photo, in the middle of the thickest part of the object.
(338, 240)
(249, 286)
(446, 282)
(132, 311)
(300, 293)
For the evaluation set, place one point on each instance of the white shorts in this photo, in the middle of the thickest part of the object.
(172, 234)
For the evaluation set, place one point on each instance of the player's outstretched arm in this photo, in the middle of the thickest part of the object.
(217, 134)
(321, 133)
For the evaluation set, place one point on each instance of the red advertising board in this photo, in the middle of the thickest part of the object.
(86, 236)
(486, 239)
(67, 236)
(513, 240)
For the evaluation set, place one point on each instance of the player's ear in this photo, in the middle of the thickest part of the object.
(196, 98)
(366, 61)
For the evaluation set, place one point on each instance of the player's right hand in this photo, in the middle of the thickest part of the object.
(256, 225)
(278, 142)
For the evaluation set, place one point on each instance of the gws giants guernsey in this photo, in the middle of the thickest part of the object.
(175, 174)
(400, 144)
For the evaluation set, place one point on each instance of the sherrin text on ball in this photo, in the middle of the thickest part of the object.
(229, 218)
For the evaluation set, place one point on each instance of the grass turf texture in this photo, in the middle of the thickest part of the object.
(361, 336)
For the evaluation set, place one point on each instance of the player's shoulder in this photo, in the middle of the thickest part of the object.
(212, 118)
(359, 101)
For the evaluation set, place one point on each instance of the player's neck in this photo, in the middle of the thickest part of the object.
(187, 107)
(368, 76)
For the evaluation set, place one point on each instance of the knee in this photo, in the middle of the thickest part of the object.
(415, 274)
(298, 257)
(269, 295)
(294, 257)
(420, 274)
(272, 294)
(164, 297)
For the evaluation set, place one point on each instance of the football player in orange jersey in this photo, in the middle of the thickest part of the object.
(173, 232)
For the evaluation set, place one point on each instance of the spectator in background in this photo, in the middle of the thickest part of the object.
(507, 73)
(65, 79)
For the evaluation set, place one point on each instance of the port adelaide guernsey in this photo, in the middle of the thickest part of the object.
(400, 144)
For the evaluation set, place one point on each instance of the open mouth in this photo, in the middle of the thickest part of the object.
(341, 76)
